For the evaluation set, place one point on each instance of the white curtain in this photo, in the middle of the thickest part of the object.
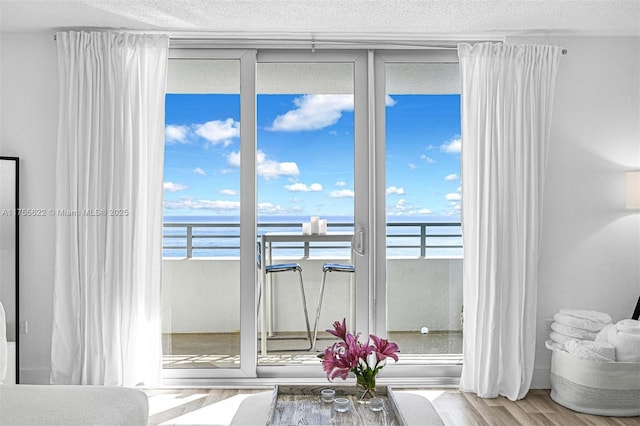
(106, 313)
(507, 95)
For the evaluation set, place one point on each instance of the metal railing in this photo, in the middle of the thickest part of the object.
(425, 237)
(224, 238)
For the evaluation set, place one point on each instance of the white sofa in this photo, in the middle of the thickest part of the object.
(72, 405)
(67, 405)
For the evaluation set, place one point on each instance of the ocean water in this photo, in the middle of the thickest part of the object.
(220, 236)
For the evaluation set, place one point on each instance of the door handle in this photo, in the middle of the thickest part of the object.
(358, 242)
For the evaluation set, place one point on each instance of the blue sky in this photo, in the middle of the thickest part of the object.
(306, 155)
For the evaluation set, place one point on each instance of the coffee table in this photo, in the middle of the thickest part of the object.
(300, 404)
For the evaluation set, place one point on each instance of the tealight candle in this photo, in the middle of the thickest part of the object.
(341, 405)
(327, 395)
(376, 404)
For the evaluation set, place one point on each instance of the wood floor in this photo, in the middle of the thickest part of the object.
(217, 406)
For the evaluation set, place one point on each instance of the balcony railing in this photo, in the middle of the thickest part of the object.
(198, 239)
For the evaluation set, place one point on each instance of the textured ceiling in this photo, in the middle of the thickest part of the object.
(325, 17)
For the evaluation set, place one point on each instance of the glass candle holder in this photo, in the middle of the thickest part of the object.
(341, 405)
(327, 395)
(376, 404)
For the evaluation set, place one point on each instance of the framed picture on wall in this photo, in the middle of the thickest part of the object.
(9, 275)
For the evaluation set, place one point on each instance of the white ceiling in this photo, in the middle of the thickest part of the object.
(315, 18)
(373, 18)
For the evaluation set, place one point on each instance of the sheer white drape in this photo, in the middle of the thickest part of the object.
(507, 95)
(106, 313)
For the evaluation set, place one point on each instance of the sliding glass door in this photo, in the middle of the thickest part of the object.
(260, 144)
(418, 135)
(209, 216)
(311, 127)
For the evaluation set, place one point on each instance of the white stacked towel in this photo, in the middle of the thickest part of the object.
(598, 317)
(625, 336)
(586, 320)
(574, 332)
(592, 335)
(577, 324)
(559, 338)
(630, 326)
(592, 351)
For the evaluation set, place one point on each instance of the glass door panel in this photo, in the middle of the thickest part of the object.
(201, 236)
(422, 203)
(305, 171)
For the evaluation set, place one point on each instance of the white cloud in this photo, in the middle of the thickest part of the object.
(411, 166)
(303, 187)
(402, 208)
(228, 192)
(454, 146)
(269, 208)
(427, 159)
(267, 168)
(190, 203)
(218, 131)
(233, 159)
(392, 190)
(342, 193)
(313, 112)
(175, 134)
(389, 101)
(173, 187)
(341, 183)
(199, 171)
(451, 177)
(454, 200)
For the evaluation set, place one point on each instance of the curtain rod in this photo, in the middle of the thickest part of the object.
(190, 41)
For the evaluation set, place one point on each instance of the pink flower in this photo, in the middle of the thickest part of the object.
(340, 329)
(385, 349)
(350, 355)
(336, 362)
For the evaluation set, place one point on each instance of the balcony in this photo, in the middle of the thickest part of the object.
(201, 300)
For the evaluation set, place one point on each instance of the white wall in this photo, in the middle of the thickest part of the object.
(591, 246)
(201, 295)
(28, 126)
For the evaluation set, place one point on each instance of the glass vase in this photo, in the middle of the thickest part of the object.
(365, 388)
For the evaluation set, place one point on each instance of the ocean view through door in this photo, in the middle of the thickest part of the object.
(306, 148)
(422, 206)
(201, 305)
